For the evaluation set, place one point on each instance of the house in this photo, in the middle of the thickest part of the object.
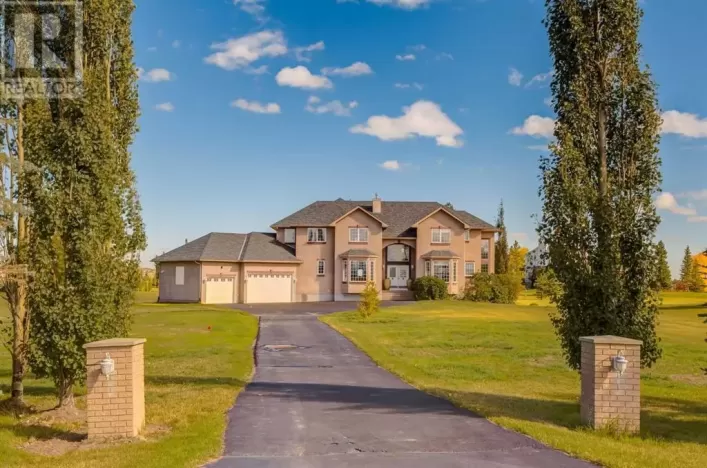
(327, 251)
(536, 258)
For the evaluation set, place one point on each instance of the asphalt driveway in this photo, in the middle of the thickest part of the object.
(317, 401)
(305, 308)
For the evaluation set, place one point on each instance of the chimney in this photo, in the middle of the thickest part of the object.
(377, 204)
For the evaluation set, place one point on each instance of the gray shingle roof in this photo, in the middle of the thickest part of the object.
(440, 254)
(400, 216)
(358, 253)
(264, 247)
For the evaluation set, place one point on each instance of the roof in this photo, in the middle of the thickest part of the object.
(223, 247)
(358, 253)
(440, 254)
(399, 216)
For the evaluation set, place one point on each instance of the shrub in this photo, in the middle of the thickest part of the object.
(429, 288)
(370, 302)
(501, 289)
(547, 285)
(479, 288)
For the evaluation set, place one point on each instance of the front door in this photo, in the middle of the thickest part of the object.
(398, 275)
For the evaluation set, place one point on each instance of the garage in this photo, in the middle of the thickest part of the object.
(220, 290)
(263, 288)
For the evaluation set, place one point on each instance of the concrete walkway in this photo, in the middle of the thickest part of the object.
(323, 403)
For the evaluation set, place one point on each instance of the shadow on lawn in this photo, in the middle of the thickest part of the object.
(42, 432)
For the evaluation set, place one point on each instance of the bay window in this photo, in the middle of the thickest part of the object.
(358, 271)
(441, 236)
(441, 270)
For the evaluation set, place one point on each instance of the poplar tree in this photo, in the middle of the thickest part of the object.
(87, 226)
(601, 175)
(501, 247)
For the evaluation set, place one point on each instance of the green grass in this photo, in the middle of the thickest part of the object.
(192, 377)
(504, 362)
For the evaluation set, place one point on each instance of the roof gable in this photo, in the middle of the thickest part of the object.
(359, 208)
(443, 210)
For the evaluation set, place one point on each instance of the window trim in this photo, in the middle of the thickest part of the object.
(365, 271)
(294, 236)
(179, 275)
(316, 235)
(321, 267)
(440, 231)
(488, 249)
(473, 269)
(358, 231)
(449, 269)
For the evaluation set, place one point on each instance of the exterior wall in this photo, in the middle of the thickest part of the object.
(310, 287)
(268, 268)
(342, 244)
(472, 253)
(492, 250)
(190, 291)
(456, 245)
(209, 269)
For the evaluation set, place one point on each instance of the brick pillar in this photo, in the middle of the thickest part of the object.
(116, 404)
(607, 399)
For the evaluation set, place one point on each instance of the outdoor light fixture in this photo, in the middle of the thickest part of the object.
(619, 363)
(107, 366)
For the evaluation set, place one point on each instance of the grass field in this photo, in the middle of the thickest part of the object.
(192, 378)
(505, 363)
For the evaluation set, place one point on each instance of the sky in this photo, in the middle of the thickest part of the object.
(252, 109)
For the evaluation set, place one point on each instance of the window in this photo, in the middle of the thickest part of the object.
(454, 271)
(441, 236)
(428, 268)
(398, 253)
(321, 267)
(358, 271)
(484, 268)
(344, 271)
(441, 270)
(373, 269)
(179, 276)
(289, 236)
(469, 269)
(467, 235)
(316, 235)
(484, 249)
(357, 234)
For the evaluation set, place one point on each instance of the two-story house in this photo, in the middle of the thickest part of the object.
(328, 251)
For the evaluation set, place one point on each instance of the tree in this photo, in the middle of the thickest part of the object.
(664, 278)
(370, 302)
(449, 206)
(600, 178)
(547, 285)
(697, 282)
(516, 259)
(87, 227)
(686, 266)
(501, 251)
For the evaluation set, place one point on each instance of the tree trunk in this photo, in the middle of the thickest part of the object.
(66, 394)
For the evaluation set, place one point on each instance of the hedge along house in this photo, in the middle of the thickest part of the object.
(328, 251)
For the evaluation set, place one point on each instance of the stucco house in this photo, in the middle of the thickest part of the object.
(327, 251)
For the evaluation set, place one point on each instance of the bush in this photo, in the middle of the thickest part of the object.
(429, 288)
(500, 289)
(370, 302)
(547, 285)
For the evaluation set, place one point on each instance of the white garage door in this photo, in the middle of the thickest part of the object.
(220, 290)
(268, 288)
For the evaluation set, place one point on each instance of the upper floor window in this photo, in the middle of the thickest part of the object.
(289, 236)
(398, 253)
(467, 236)
(316, 234)
(358, 234)
(321, 267)
(441, 236)
(484, 249)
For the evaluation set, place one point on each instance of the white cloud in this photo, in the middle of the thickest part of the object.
(155, 75)
(515, 78)
(687, 125)
(416, 86)
(667, 201)
(391, 165)
(423, 118)
(405, 58)
(695, 195)
(404, 4)
(355, 69)
(255, 106)
(242, 51)
(418, 47)
(254, 8)
(444, 56)
(303, 54)
(176, 43)
(261, 70)
(301, 77)
(536, 127)
(165, 107)
(540, 79)
(333, 107)
(697, 219)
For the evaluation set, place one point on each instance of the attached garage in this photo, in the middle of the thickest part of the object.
(269, 287)
(220, 290)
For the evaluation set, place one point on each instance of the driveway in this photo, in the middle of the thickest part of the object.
(305, 308)
(317, 401)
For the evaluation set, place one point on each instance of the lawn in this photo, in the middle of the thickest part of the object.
(504, 362)
(193, 375)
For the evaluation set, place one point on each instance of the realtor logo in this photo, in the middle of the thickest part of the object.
(41, 44)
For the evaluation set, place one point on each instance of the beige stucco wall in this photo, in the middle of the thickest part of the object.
(311, 287)
(456, 245)
(267, 268)
(221, 269)
(342, 244)
(189, 291)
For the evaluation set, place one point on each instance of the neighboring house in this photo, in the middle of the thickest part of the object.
(536, 258)
(327, 251)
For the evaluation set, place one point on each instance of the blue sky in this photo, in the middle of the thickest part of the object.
(252, 109)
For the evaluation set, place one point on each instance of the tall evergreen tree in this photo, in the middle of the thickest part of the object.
(664, 278)
(501, 247)
(602, 173)
(87, 227)
(686, 267)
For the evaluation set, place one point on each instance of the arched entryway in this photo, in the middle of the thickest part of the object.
(398, 260)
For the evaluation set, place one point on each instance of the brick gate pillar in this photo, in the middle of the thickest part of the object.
(610, 399)
(115, 403)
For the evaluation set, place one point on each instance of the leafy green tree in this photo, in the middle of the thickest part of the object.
(601, 175)
(501, 250)
(370, 302)
(516, 259)
(664, 279)
(697, 282)
(547, 285)
(87, 226)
